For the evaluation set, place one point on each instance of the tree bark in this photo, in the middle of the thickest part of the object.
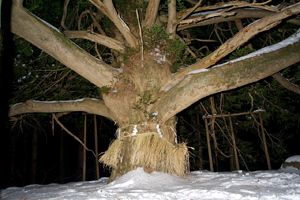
(92, 106)
(199, 143)
(50, 40)
(226, 77)
(120, 24)
(285, 83)
(100, 39)
(236, 41)
(171, 26)
(151, 13)
(96, 147)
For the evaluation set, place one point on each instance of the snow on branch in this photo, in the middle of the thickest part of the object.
(89, 105)
(236, 41)
(289, 41)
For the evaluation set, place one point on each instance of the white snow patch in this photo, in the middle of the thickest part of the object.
(174, 134)
(158, 130)
(197, 71)
(64, 101)
(207, 12)
(137, 184)
(134, 130)
(168, 88)
(158, 56)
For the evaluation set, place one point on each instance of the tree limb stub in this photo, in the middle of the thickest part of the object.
(100, 39)
(96, 107)
(285, 83)
(226, 77)
(235, 42)
(50, 40)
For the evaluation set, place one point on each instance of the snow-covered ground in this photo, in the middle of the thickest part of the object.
(137, 184)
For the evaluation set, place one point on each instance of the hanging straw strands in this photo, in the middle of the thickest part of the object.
(150, 149)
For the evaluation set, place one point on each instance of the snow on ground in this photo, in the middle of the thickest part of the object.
(137, 184)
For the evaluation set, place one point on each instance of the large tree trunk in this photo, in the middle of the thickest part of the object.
(152, 146)
(145, 95)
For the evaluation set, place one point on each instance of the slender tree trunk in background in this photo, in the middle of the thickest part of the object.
(34, 156)
(211, 166)
(61, 159)
(231, 159)
(265, 142)
(25, 159)
(12, 162)
(96, 148)
(84, 151)
(237, 165)
(199, 143)
(80, 151)
(212, 126)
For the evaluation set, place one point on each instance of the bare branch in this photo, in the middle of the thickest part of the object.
(151, 13)
(100, 39)
(74, 136)
(101, 6)
(238, 4)
(285, 83)
(97, 24)
(239, 39)
(63, 19)
(228, 76)
(204, 17)
(50, 40)
(188, 12)
(171, 27)
(92, 106)
(221, 8)
(191, 2)
(108, 8)
(240, 14)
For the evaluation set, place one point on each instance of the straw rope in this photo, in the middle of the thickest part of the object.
(152, 149)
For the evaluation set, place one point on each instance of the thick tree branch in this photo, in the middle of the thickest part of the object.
(285, 83)
(151, 13)
(188, 12)
(100, 39)
(92, 106)
(171, 26)
(240, 14)
(229, 76)
(50, 40)
(108, 8)
(235, 42)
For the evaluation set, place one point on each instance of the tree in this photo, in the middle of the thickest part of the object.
(139, 91)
